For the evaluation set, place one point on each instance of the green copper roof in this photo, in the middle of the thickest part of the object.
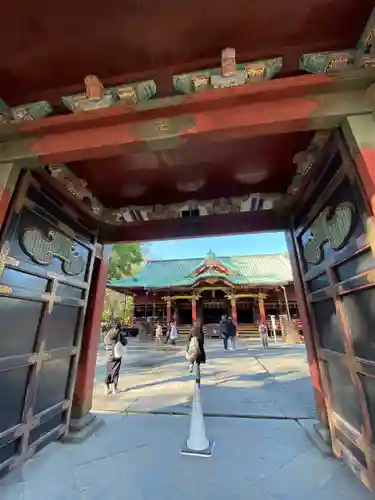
(243, 270)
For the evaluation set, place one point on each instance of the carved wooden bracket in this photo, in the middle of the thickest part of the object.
(25, 112)
(363, 56)
(94, 88)
(97, 96)
(306, 159)
(230, 74)
(228, 62)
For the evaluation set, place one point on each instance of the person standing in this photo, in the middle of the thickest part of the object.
(173, 333)
(232, 332)
(158, 332)
(263, 331)
(195, 352)
(224, 331)
(168, 333)
(114, 343)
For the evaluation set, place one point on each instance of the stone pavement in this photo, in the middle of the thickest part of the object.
(257, 400)
(157, 380)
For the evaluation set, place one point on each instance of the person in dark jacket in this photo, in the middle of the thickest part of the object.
(113, 364)
(224, 330)
(197, 332)
(232, 332)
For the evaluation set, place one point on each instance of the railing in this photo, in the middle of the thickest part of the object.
(243, 329)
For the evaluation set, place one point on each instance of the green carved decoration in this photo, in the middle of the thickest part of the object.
(25, 112)
(323, 62)
(43, 250)
(333, 227)
(212, 78)
(362, 56)
(366, 43)
(129, 94)
(5, 113)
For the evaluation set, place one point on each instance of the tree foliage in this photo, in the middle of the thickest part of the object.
(117, 306)
(125, 259)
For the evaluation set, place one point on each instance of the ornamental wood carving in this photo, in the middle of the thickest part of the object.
(94, 88)
(332, 227)
(306, 159)
(97, 96)
(325, 62)
(76, 187)
(363, 56)
(366, 44)
(230, 74)
(25, 112)
(43, 250)
(228, 62)
(136, 213)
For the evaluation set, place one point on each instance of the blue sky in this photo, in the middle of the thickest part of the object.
(244, 244)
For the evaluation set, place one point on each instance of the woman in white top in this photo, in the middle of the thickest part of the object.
(173, 333)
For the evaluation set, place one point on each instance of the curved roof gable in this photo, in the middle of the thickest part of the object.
(260, 270)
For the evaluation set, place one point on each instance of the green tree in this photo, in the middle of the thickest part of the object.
(125, 260)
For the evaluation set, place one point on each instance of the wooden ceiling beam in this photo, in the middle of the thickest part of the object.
(211, 225)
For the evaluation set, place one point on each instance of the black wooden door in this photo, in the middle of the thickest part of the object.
(45, 269)
(338, 270)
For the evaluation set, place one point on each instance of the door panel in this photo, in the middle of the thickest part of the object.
(338, 271)
(13, 384)
(328, 326)
(46, 262)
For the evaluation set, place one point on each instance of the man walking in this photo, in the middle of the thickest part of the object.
(224, 331)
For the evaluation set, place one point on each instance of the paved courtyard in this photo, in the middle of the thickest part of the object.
(257, 405)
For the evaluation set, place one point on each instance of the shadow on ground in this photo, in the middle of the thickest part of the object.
(137, 457)
(262, 451)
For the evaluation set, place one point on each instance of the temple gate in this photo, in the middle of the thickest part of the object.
(197, 144)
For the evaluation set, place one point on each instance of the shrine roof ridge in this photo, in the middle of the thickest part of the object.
(263, 269)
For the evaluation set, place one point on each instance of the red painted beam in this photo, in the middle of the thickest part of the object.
(210, 225)
(251, 120)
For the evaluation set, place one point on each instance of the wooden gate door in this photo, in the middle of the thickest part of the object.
(46, 262)
(338, 271)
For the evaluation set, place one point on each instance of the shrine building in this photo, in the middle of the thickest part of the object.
(250, 289)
